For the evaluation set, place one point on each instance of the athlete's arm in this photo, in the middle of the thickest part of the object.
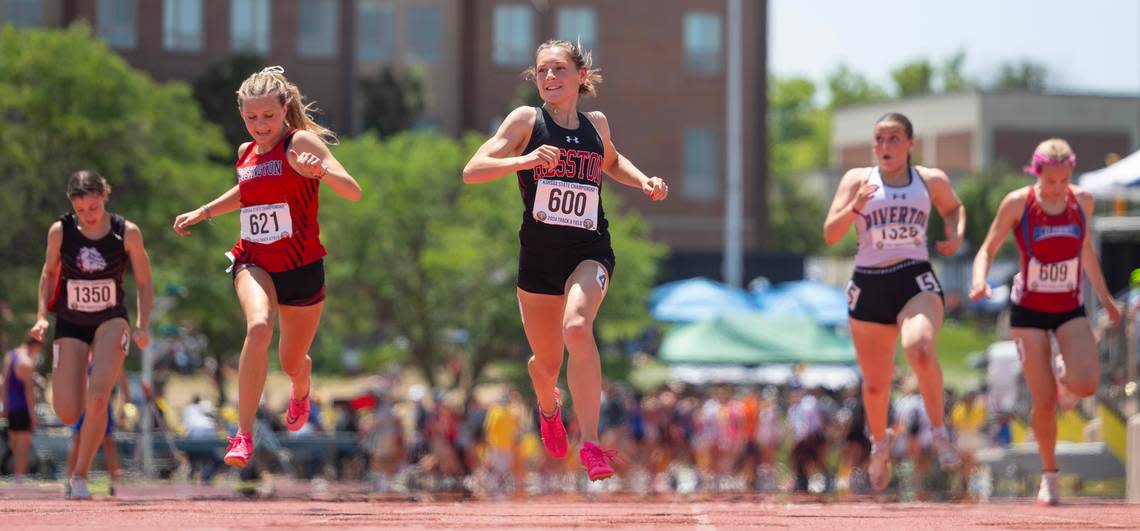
(144, 291)
(949, 206)
(622, 169)
(311, 157)
(1008, 214)
(852, 194)
(48, 278)
(1091, 264)
(501, 154)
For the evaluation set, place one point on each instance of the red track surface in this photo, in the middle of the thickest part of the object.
(160, 508)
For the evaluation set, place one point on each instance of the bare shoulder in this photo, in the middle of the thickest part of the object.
(598, 119)
(241, 149)
(1015, 199)
(307, 141)
(855, 175)
(1082, 195)
(55, 232)
(522, 116)
(932, 174)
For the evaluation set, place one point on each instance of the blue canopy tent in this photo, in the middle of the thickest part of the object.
(825, 304)
(697, 299)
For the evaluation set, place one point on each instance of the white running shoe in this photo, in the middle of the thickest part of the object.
(948, 457)
(1050, 491)
(880, 466)
(79, 489)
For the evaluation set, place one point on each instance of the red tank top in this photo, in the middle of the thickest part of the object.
(279, 230)
(1050, 246)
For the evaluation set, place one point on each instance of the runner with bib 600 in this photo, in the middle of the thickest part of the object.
(566, 260)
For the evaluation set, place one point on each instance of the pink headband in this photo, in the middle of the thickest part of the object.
(1039, 161)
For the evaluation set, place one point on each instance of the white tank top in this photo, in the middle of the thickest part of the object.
(892, 226)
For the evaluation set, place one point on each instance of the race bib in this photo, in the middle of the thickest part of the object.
(91, 295)
(567, 204)
(898, 236)
(266, 223)
(1053, 277)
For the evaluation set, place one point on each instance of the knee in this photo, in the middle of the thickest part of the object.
(577, 331)
(259, 331)
(538, 368)
(920, 354)
(873, 388)
(67, 413)
(1083, 388)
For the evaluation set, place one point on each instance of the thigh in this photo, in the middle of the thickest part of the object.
(875, 349)
(298, 327)
(542, 321)
(585, 290)
(1036, 363)
(69, 367)
(1078, 348)
(256, 294)
(920, 318)
(112, 339)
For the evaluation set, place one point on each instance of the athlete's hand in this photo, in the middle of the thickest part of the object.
(948, 246)
(1113, 311)
(863, 194)
(979, 290)
(545, 156)
(193, 217)
(39, 330)
(141, 337)
(310, 165)
(656, 189)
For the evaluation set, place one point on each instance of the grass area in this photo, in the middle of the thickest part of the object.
(956, 341)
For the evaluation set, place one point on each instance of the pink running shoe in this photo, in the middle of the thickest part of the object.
(297, 414)
(240, 450)
(597, 461)
(552, 430)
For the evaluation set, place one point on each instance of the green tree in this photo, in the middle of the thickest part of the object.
(848, 87)
(1024, 75)
(393, 99)
(216, 92)
(951, 73)
(914, 78)
(71, 103)
(799, 139)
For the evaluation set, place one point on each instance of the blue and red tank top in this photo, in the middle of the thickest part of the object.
(1050, 247)
(279, 230)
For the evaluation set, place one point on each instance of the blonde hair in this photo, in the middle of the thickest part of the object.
(1054, 149)
(270, 81)
(589, 86)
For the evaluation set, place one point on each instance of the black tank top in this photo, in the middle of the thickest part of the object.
(90, 286)
(569, 212)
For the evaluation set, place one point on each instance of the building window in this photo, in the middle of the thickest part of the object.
(702, 38)
(424, 34)
(182, 25)
(579, 25)
(317, 28)
(375, 31)
(115, 22)
(702, 164)
(249, 25)
(513, 35)
(24, 13)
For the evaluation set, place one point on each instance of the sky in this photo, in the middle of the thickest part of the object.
(1088, 46)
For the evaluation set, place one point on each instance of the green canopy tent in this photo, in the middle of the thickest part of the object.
(756, 339)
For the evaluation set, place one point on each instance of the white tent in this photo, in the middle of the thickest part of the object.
(1122, 178)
